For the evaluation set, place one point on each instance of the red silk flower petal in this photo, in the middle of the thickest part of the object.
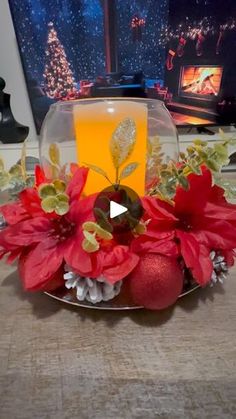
(25, 233)
(216, 234)
(86, 264)
(55, 281)
(39, 175)
(224, 211)
(38, 265)
(157, 209)
(196, 257)
(118, 263)
(193, 200)
(14, 213)
(203, 268)
(31, 202)
(76, 185)
(164, 244)
(82, 210)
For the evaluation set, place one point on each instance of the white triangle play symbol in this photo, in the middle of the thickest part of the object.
(116, 209)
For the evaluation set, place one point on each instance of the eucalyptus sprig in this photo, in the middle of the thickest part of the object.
(16, 178)
(199, 153)
(93, 233)
(53, 197)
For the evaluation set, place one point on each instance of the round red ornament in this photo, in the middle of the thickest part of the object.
(156, 282)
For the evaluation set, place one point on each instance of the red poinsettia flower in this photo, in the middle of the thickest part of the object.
(112, 260)
(40, 239)
(201, 220)
(44, 242)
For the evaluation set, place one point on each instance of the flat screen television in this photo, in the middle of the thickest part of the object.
(182, 52)
(200, 74)
(202, 82)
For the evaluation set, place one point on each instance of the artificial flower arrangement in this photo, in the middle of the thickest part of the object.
(186, 234)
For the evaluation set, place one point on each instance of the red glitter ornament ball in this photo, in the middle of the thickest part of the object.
(156, 282)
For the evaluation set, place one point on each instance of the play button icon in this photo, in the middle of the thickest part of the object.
(118, 209)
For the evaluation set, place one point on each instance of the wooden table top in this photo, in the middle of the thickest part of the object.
(60, 362)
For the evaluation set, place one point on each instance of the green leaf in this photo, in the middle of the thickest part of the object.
(232, 141)
(94, 227)
(191, 150)
(30, 181)
(213, 165)
(62, 197)
(183, 181)
(140, 228)
(16, 171)
(165, 173)
(54, 154)
(46, 190)
(122, 142)
(4, 179)
(128, 170)
(1, 165)
(222, 151)
(89, 226)
(103, 220)
(59, 185)
(89, 244)
(202, 153)
(222, 134)
(199, 142)
(182, 155)
(62, 207)
(49, 204)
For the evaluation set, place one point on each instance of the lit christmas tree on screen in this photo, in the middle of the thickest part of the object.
(59, 80)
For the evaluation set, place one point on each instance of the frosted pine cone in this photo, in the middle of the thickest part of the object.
(92, 290)
(220, 267)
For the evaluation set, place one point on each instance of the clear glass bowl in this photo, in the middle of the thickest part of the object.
(82, 130)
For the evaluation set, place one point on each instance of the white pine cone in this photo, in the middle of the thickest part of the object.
(220, 268)
(92, 290)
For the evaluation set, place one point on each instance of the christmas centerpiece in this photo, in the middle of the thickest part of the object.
(132, 222)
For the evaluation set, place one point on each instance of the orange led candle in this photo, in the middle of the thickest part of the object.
(95, 123)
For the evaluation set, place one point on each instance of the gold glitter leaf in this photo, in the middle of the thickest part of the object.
(97, 169)
(23, 160)
(54, 154)
(1, 165)
(128, 170)
(122, 142)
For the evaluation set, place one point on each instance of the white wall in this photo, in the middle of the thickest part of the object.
(11, 70)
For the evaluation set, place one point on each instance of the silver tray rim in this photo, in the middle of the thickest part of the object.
(109, 305)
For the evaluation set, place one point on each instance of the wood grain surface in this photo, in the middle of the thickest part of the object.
(60, 362)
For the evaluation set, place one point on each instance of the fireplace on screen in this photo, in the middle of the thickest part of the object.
(203, 82)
